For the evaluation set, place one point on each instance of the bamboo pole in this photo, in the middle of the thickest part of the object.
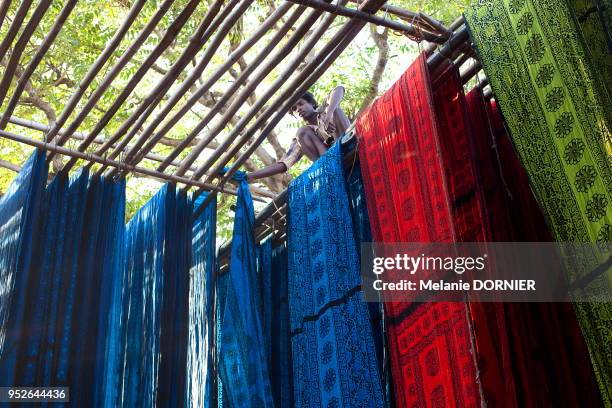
(205, 29)
(20, 15)
(239, 100)
(168, 37)
(370, 18)
(272, 62)
(33, 64)
(19, 47)
(99, 140)
(101, 160)
(454, 26)
(220, 71)
(4, 6)
(296, 88)
(102, 59)
(133, 155)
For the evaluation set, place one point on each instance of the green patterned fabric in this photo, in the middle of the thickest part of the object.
(553, 93)
(593, 20)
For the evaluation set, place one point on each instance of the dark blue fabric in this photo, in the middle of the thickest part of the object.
(199, 360)
(363, 234)
(76, 247)
(333, 347)
(243, 364)
(156, 302)
(275, 313)
(19, 211)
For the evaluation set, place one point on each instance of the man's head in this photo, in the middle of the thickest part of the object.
(305, 106)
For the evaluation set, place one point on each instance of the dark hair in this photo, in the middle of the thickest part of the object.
(309, 97)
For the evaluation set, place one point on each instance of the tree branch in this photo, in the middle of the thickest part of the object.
(381, 41)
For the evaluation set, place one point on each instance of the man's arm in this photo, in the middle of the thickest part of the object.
(271, 170)
(293, 154)
(333, 100)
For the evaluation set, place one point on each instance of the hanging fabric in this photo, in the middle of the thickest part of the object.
(19, 212)
(66, 339)
(559, 116)
(333, 348)
(274, 289)
(243, 363)
(430, 349)
(201, 288)
(156, 301)
(550, 366)
(594, 21)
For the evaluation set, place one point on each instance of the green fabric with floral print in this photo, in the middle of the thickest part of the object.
(553, 93)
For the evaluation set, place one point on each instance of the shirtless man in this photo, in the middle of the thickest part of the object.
(324, 125)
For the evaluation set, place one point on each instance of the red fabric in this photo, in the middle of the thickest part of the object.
(539, 357)
(429, 344)
(438, 167)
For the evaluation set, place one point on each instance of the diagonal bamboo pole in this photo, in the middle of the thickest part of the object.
(221, 70)
(102, 59)
(40, 53)
(409, 30)
(197, 73)
(272, 62)
(4, 6)
(168, 37)
(13, 29)
(20, 45)
(206, 28)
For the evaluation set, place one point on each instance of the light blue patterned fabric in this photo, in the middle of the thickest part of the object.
(243, 364)
(333, 347)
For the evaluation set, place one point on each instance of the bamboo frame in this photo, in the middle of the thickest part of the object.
(289, 70)
(31, 67)
(198, 40)
(263, 71)
(113, 163)
(134, 155)
(99, 140)
(102, 59)
(325, 57)
(19, 47)
(168, 37)
(233, 58)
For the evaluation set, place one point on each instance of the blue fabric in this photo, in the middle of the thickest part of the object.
(77, 242)
(19, 209)
(333, 347)
(156, 302)
(199, 359)
(243, 364)
(273, 278)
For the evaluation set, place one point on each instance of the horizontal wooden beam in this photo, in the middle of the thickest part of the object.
(52, 147)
